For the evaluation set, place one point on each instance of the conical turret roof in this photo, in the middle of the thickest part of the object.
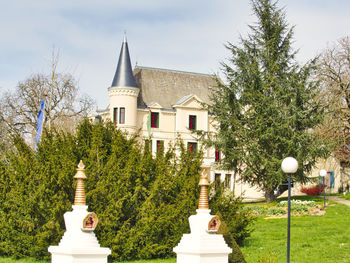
(123, 76)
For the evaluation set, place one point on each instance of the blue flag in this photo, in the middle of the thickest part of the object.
(39, 126)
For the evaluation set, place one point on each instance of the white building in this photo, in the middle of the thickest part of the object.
(164, 104)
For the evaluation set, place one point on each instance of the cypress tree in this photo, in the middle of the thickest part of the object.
(267, 109)
(40, 191)
(142, 201)
(172, 198)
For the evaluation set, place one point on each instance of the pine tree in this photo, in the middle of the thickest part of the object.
(173, 197)
(142, 201)
(267, 109)
(40, 189)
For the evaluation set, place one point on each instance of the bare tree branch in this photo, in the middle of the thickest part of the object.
(334, 75)
(63, 106)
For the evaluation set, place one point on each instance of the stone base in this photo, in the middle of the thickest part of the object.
(91, 255)
(76, 245)
(206, 248)
(201, 259)
(200, 246)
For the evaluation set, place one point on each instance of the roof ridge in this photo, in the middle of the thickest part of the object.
(174, 71)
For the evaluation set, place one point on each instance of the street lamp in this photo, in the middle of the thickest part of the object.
(323, 174)
(289, 166)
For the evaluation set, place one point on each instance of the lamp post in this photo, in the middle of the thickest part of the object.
(289, 166)
(323, 174)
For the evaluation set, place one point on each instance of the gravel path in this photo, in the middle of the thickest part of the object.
(338, 200)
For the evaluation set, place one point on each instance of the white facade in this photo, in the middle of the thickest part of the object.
(163, 105)
(172, 98)
(171, 123)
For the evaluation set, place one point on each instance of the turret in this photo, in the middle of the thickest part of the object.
(123, 92)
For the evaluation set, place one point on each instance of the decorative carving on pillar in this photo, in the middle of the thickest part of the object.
(90, 222)
(214, 224)
(123, 91)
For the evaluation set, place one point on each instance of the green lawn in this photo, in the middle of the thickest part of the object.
(346, 196)
(323, 239)
(313, 238)
(27, 260)
(9, 260)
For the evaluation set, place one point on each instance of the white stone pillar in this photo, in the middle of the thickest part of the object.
(76, 245)
(203, 245)
(200, 246)
(79, 243)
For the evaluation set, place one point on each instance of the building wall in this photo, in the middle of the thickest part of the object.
(176, 123)
(173, 123)
(331, 165)
(126, 98)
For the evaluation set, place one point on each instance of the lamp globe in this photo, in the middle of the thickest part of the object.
(289, 165)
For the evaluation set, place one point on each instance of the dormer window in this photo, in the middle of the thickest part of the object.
(155, 120)
(192, 125)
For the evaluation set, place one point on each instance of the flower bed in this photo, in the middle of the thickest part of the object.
(313, 190)
(298, 207)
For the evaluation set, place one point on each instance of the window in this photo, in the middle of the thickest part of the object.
(228, 180)
(155, 120)
(192, 146)
(328, 181)
(217, 180)
(160, 145)
(122, 115)
(217, 155)
(115, 114)
(331, 179)
(192, 122)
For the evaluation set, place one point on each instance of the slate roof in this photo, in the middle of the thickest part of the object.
(167, 87)
(123, 76)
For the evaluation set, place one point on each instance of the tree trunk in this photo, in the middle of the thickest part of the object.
(270, 195)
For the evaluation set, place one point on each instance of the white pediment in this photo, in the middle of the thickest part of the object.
(154, 105)
(189, 101)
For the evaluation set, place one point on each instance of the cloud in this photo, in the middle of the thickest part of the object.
(183, 34)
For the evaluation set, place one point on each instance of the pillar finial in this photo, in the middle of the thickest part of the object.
(80, 190)
(203, 198)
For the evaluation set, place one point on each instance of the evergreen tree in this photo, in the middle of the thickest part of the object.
(40, 189)
(142, 201)
(237, 222)
(267, 109)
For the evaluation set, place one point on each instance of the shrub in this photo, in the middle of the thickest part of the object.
(236, 256)
(273, 211)
(268, 258)
(228, 208)
(143, 202)
(256, 210)
(314, 190)
(298, 205)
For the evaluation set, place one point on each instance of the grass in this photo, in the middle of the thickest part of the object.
(24, 260)
(323, 239)
(346, 196)
(27, 260)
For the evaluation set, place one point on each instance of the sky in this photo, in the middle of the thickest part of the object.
(186, 35)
